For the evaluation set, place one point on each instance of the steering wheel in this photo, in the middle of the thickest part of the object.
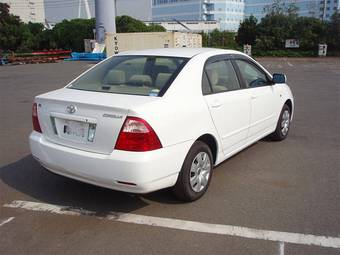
(257, 83)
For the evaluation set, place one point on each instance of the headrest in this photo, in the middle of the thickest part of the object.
(140, 80)
(115, 77)
(161, 69)
(213, 76)
(162, 79)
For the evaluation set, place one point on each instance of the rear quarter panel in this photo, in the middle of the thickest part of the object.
(182, 114)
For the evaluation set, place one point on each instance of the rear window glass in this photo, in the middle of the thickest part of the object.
(133, 75)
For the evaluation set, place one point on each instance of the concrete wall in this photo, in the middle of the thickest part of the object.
(138, 41)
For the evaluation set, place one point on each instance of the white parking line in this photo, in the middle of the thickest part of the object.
(281, 237)
(290, 64)
(6, 221)
(281, 248)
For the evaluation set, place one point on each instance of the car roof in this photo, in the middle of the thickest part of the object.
(178, 52)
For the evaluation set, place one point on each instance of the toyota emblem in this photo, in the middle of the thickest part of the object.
(71, 109)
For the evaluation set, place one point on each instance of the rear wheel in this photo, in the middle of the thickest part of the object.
(196, 172)
(283, 125)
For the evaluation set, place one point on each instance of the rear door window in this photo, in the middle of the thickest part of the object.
(134, 75)
(221, 76)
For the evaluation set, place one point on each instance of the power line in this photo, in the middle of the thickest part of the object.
(41, 5)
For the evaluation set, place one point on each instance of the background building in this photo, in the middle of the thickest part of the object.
(57, 10)
(229, 13)
(322, 9)
(185, 26)
(138, 9)
(27, 10)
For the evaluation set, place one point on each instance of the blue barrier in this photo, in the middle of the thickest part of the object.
(3, 61)
(87, 56)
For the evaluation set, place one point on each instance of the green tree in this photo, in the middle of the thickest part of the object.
(127, 24)
(333, 37)
(16, 35)
(47, 40)
(11, 29)
(247, 31)
(219, 39)
(70, 34)
(273, 30)
(32, 36)
(156, 28)
(309, 31)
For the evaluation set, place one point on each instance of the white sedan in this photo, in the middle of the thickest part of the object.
(146, 120)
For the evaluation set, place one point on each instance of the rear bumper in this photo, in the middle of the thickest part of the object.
(148, 171)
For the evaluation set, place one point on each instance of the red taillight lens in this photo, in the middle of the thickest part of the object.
(35, 120)
(137, 135)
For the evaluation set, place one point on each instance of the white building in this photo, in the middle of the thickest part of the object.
(27, 10)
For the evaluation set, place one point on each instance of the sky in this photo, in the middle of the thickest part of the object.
(57, 10)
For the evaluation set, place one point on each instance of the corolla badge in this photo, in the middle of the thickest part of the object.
(71, 108)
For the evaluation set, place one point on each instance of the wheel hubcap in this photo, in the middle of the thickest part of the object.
(200, 171)
(285, 122)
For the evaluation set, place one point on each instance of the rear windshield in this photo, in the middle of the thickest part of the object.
(133, 75)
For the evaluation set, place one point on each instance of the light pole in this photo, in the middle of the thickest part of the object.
(105, 19)
(324, 10)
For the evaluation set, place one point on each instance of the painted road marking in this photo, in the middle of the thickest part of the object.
(281, 248)
(6, 221)
(281, 237)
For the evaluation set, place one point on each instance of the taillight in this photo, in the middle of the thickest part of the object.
(35, 120)
(137, 135)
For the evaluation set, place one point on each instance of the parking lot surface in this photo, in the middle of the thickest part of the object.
(291, 186)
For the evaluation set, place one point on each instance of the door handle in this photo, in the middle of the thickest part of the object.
(216, 104)
(254, 96)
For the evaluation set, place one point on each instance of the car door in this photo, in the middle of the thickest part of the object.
(262, 98)
(229, 104)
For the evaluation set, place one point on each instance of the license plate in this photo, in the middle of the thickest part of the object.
(74, 130)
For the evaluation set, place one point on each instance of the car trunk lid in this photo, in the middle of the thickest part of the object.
(89, 121)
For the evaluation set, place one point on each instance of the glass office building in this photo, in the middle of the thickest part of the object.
(322, 9)
(228, 12)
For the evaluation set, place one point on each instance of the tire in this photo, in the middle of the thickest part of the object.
(283, 125)
(196, 169)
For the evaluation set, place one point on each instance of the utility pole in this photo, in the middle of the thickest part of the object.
(105, 19)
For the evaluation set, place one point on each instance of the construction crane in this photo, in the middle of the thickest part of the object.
(87, 9)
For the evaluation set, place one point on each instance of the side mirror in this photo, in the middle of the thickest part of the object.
(279, 78)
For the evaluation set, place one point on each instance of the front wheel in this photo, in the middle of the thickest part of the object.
(196, 172)
(283, 125)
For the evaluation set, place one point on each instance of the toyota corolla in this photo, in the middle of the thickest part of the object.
(147, 120)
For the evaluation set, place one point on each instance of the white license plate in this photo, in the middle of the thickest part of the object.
(74, 130)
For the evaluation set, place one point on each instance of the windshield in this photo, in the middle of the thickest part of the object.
(133, 75)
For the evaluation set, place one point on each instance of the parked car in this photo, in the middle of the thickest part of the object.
(146, 120)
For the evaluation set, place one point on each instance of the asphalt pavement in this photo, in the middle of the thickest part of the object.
(291, 186)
